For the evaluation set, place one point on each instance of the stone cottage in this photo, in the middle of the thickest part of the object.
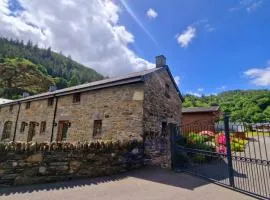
(133, 106)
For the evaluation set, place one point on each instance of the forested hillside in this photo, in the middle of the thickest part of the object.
(243, 105)
(51, 66)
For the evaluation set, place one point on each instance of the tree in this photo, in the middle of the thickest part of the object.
(74, 80)
(22, 74)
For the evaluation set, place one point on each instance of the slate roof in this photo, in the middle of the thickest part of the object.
(200, 109)
(110, 82)
(2, 101)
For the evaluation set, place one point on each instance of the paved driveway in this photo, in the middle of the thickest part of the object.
(144, 184)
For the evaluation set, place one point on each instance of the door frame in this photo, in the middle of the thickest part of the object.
(59, 136)
(33, 125)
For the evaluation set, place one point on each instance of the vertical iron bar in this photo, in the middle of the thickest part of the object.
(229, 153)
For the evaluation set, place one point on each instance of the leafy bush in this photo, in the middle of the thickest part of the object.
(195, 138)
(197, 141)
(238, 145)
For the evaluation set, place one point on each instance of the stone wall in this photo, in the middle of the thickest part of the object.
(39, 111)
(6, 114)
(162, 104)
(23, 164)
(120, 109)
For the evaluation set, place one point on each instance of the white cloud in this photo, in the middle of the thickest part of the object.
(151, 13)
(200, 89)
(259, 77)
(137, 20)
(248, 5)
(89, 31)
(186, 37)
(177, 80)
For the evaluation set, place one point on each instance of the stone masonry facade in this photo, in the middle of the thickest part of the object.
(22, 164)
(130, 110)
(162, 106)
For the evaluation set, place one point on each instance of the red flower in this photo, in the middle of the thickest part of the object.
(221, 139)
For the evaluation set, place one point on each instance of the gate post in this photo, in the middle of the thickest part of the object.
(229, 152)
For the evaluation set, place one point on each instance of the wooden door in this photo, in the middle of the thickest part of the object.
(31, 131)
(62, 131)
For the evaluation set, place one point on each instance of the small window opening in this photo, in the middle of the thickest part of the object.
(27, 105)
(10, 108)
(50, 101)
(23, 125)
(97, 129)
(42, 127)
(164, 129)
(76, 98)
(167, 91)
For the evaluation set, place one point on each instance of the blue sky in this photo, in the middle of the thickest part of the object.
(210, 45)
(231, 37)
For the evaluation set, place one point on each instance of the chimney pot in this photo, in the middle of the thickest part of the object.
(52, 88)
(25, 94)
(160, 61)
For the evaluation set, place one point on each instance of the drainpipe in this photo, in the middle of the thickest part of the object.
(54, 115)
(16, 123)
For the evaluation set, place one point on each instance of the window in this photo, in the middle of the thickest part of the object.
(76, 98)
(7, 130)
(27, 105)
(10, 108)
(23, 125)
(42, 127)
(167, 91)
(164, 129)
(97, 128)
(50, 101)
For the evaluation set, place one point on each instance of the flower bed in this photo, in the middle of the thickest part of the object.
(208, 140)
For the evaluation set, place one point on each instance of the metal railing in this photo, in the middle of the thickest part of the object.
(231, 154)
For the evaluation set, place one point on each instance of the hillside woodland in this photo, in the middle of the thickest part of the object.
(24, 67)
(243, 105)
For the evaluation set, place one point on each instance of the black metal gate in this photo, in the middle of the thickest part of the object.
(231, 154)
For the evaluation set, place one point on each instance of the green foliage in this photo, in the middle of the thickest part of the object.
(237, 147)
(250, 106)
(18, 75)
(197, 141)
(63, 70)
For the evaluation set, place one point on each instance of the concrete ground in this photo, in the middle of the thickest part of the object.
(143, 184)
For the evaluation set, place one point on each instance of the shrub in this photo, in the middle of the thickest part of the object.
(194, 138)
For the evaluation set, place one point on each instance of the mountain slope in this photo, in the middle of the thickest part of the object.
(64, 71)
(20, 75)
(243, 105)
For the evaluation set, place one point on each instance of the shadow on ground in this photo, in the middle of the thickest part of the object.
(161, 176)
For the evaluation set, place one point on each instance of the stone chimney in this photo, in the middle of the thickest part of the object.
(52, 88)
(160, 61)
(25, 94)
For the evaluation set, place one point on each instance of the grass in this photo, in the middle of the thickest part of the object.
(255, 134)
